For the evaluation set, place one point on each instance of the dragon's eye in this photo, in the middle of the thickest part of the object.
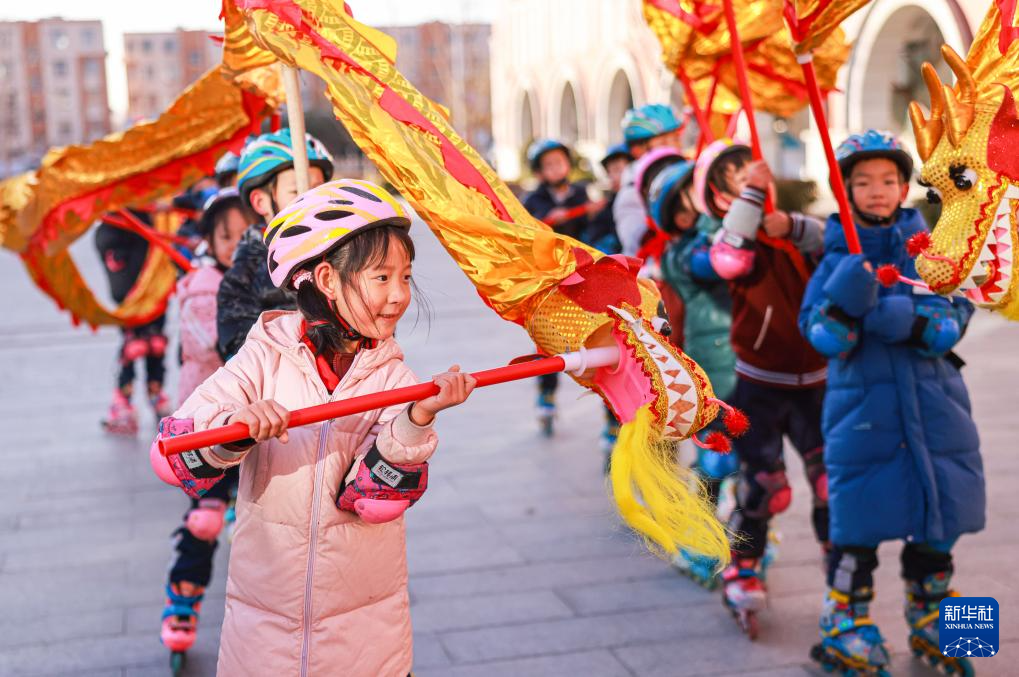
(962, 176)
(933, 195)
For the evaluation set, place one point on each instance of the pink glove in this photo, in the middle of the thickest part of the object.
(732, 256)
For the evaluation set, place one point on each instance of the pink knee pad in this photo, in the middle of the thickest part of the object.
(206, 521)
(157, 345)
(732, 256)
(134, 349)
(189, 471)
(379, 491)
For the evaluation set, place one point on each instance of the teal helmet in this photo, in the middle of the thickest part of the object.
(648, 121)
(272, 153)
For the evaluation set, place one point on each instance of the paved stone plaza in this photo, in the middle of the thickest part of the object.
(518, 565)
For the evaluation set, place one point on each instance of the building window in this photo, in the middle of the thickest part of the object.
(88, 37)
(170, 46)
(60, 69)
(35, 83)
(194, 58)
(147, 46)
(64, 129)
(92, 69)
(59, 40)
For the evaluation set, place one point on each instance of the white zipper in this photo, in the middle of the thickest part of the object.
(764, 328)
(315, 514)
(315, 509)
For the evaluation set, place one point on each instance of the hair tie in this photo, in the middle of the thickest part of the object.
(300, 278)
(319, 323)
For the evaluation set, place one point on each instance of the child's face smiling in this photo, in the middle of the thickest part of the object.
(382, 297)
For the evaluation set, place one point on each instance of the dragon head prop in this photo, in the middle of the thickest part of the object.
(567, 296)
(967, 146)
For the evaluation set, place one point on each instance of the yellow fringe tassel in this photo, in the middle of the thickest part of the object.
(660, 499)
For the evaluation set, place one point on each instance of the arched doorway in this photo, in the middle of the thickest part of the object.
(895, 38)
(569, 117)
(526, 121)
(908, 39)
(620, 101)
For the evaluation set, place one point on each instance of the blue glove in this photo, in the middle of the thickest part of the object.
(891, 319)
(852, 287)
(935, 330)
(700, 265)
(831, 331)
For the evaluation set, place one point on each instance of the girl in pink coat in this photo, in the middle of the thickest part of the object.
(318, 575)
(223, 222)
(194, 543)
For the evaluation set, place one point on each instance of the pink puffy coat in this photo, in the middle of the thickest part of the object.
(197, 294)
(312, 590)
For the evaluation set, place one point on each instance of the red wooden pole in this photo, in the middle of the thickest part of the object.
(127, 221)
(838, 183)
(355, 405)
(702, 117)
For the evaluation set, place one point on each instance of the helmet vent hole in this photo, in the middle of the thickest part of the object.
(295, 230)
(333, 214)
(360, 193)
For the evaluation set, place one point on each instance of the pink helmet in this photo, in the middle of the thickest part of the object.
(657, 158)
(707, 159)
(322, 218)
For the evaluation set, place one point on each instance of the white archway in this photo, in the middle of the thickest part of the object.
(525, 128)
(569, 123)
(618, 101)
(894, 38)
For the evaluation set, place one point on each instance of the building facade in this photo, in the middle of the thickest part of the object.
(52, 88)
(161, 65)
(571, 68)
(449, 63)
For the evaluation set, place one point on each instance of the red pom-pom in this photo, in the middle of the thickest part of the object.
(717, 441)
(736, 422)
(888, 275)
(918, 244)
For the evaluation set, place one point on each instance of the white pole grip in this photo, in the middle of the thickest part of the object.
(590, 358)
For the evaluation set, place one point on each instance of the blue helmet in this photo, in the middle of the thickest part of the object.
(614, 151)
(272, 153)
(537, 149)
(664, 191)
(227, 164)
(873, 144)
(648, 121)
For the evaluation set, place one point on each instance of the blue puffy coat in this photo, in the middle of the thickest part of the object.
(901, 448)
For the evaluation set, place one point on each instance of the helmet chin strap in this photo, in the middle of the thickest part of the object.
(347, 331)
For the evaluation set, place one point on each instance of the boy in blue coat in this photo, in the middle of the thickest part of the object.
(901, 449)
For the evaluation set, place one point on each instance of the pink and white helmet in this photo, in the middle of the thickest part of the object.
(322, 218)
(655, 159)
(707, 158)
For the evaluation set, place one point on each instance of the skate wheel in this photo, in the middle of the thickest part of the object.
(177, 661)
(949, 669)
(933, 660)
